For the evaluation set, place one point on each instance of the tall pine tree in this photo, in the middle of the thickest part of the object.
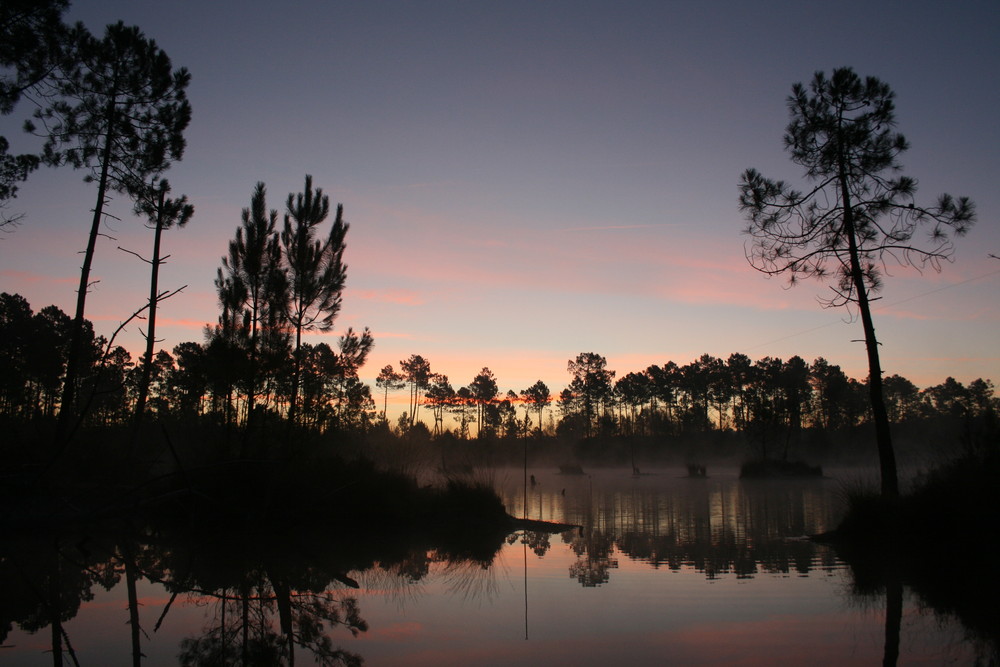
(120, 112)
(315, 270)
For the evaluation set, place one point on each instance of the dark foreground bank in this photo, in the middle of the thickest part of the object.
(937, 540)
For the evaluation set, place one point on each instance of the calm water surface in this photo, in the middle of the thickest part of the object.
(664, 570)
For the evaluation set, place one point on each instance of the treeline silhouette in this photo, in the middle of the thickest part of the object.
(771, 402)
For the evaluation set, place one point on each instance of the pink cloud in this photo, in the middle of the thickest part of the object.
(28, 277)
(740, 295)
(393, 334)
(397, 296)
(609, 227)
(182, 323)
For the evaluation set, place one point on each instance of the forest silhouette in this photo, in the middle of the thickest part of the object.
(771, 407)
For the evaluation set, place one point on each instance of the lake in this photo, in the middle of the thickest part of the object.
(663, 569)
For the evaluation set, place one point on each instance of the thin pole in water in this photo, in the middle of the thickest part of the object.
(524, 542)
(524, 511)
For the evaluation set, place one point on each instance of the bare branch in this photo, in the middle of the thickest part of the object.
(135, 254)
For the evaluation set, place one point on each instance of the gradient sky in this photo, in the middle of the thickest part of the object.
(526, 181)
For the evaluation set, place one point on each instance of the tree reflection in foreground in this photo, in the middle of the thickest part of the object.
(268, 591)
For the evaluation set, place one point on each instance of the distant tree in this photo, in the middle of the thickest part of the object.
(665, 387)
(355, 405)
(949, 399)
(831, 395)
(504, 415)
(464, 408)
(696, 380)
(317, 369)
(538, 397)
(160, 398)
(189, 380)
(738, 368)
(16, 333)
(633, 391)
(591, 384)
(720, 386)
(226, 355)
(982, 397)
(388, 380)
(350, 394)
(484, 391)
(225, 367)
(797, 391)
(417, 372)
(108, 388)
(33, 42)
(902, 398)
(314, 268)
(568, 405)
(47, 353)
(440, 397)
(162, 213)
(120, 112)
(857, 212)
(765, 406)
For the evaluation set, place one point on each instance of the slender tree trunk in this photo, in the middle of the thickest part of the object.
(893, 620)
(76, 336)
(415, 396)
(133, 606)
(252, 388)
(283, 597)
(883, 436)
(296, 371)
(154, 276)
(245, 624)
(55, 608)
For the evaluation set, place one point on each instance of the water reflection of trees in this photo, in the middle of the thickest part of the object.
(950, 584)
(537, 541)
(267, 593)
(728, 557)
(715, 527)
(45, 579)
(242, 629)
(595, 556)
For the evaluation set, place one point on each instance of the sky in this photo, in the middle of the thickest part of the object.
(527, 181)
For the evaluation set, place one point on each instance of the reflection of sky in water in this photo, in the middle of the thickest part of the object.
(644, 616)
(789, 610)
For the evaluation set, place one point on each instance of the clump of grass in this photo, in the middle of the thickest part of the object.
(959, 499)
(467, 498)
(955, 503)
(932, 539)
(468, 520)
(869, 515)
